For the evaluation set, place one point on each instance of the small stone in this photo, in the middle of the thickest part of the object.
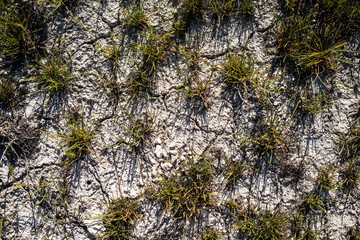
(174, 153)
(153, 161)
(172, 146)
(167, 165)
(157, 141)
(158, 151)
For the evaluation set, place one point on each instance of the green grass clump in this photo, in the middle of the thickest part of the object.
(136, 16)
(140, 128)
(350, 149)
(303, 227)
(211, 234)
(222, 8)
(313, 105)
(193, 87)
(319, 51)
(7, 91)
(315, 49)
(53, 74)
(188, 190)
(235, 170)
(314, 32)
(15, 38)
(120, 219)
(192, 9)
(196, 89)
(179, 26)
(350, 177)
(325, 180)
(112, 52)
(262, 224)
(313, 203)
(271, 140)
(50, 199)
(192, 58)
(154, 49)
(290, 33)
(247, 7)
(52, 196)
(77, 139)
(238, 70)
(350, 155)
(188, 12)
(344, 14)
(311, 211)
(138, 81)
(109, 85)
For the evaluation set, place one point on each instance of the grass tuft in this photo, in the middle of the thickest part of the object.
(7, 91)
(222, 8)
(350, 141)
(154, 49)
(312, 48)
(15, 38)
(247, 7)
(313, 203)
(238, 70)
(140, 128)
(120, 219)
(136, 16)
(77, 139)
(325, 180)
(179, 26)
(344, 14)
(196, 89)
(303, 227)
(138, 81)
(313, 33)
(234, 171)
(211, 234)
(54, 75)
(192, 58)
(188, 190)
(319, 52)
(350, 176)
(313, 105)
(262, 224)
(112, 52)
(192, 9)
(270, 140)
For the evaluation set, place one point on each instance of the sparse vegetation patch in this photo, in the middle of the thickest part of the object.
(53, 74)
(188, 190)
(262, 224)
(120, 219)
